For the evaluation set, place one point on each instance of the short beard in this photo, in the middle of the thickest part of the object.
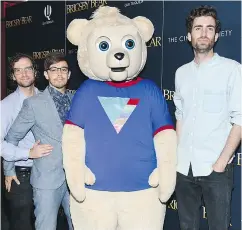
(58, 86)
(204, 50)
(26, 85)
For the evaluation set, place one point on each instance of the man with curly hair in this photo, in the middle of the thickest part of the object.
(208, 112)
(19, 194)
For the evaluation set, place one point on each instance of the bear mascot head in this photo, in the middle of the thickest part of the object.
(111, 46)
(119, 144)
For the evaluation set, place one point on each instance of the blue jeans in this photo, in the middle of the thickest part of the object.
(47, 203)
(216, 190)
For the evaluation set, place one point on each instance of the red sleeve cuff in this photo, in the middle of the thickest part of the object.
(69, 123)
(163, 128)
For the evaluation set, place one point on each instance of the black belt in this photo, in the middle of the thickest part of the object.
(21, 169)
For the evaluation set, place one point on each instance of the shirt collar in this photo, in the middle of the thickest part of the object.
(55, 93)
(210, 61)
(21, 94)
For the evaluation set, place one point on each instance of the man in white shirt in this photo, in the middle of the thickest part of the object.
(19, 191)
(208, 112)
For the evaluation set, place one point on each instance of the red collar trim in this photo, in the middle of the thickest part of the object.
(124, 84)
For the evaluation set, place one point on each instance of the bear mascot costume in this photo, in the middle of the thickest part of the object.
(119, 142)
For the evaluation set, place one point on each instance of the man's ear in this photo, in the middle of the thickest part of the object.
(13, 77)
(216, 37)
(69, 75)
(189, 37)
(46, 75)
(75, 30)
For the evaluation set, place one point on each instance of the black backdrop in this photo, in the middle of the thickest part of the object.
(37, 28)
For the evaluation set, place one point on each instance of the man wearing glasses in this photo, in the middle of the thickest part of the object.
(17, 166)
(44, 114)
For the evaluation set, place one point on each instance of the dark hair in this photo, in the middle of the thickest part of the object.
(202, 11)
(53, 58)
(16, 58)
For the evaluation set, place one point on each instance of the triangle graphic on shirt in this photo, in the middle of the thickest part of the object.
(118, 109)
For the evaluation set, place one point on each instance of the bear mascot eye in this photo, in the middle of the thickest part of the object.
(130, 44)
(103, 46)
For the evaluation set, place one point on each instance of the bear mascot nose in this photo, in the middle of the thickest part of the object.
(119, 56)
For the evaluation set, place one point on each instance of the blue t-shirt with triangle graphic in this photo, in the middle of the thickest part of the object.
(119, 122)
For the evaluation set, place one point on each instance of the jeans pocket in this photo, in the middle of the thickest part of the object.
(227, 174)
(214, 176)
(219, 173)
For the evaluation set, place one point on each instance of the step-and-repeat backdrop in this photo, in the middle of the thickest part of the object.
(38, 28)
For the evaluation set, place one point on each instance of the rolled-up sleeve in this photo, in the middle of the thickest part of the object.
(9, 168)
(177, 100)
(235, 95)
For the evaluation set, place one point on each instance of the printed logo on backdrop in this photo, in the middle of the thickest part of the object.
(168, 94)
(133, 3)
(42, 54)
(81, 6)
(183, 38)
(154, 42)
(47, 14)
(19, 21)
(48, 11)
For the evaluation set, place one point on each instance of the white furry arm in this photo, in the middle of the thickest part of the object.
(165, 146)
(73, 147)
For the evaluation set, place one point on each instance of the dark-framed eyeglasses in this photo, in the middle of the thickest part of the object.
(61, 69)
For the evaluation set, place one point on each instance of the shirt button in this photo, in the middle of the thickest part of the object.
(193, 118)
(191, 134)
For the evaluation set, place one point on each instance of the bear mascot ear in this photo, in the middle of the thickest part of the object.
(145, 27)
(75, 30)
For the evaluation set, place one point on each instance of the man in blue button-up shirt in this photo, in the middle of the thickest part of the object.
(208, 113)
(19, 192)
